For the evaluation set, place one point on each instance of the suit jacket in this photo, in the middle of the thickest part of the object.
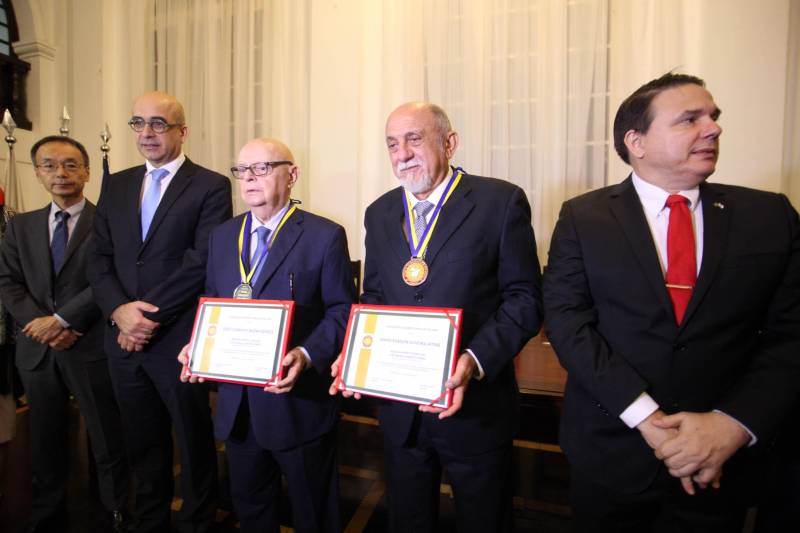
(482, 259)
(609, 318)
(313, 252)
(168, 268)
(30, 289)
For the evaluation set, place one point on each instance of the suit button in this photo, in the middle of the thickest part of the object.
(418, 296)
(139, 263)
(680, 347)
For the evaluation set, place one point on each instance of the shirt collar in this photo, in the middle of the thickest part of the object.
(654, 198)
(272, 223)
(72, 210)
(171, 167)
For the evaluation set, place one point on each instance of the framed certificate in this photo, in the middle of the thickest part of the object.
(401, 353)
(240, 341)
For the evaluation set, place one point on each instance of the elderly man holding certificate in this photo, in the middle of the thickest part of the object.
(449, 242)
(278, 252)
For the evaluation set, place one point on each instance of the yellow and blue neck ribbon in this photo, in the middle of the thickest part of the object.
(419, 243)
(245, 234)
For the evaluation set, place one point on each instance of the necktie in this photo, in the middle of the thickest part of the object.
(681, 255)
(58, 246)
(151, 199)
(420, 210)
(263, 235)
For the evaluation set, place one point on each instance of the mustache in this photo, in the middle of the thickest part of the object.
(407, 164)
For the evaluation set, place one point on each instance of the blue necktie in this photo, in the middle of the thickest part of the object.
(151, 199)
(263, 236)
(58, 246)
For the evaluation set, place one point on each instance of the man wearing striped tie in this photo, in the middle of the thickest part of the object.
(674, 304)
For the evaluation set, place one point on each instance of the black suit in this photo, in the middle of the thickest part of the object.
(293, 433)
(167, 270)
(482, 258)
(610, 319)
(30, 289)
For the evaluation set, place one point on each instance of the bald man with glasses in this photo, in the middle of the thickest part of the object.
(147, 270)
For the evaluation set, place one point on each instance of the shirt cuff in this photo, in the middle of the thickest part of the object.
(64, 323)
(479, 373)
(305, 353)
(641, 408)
(753, 438)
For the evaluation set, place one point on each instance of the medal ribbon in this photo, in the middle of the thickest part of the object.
(419, 243)
(245, 234)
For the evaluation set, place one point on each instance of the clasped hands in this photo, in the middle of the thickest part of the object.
(135, 330)
(294, 362)
(694, 446)
(458, 383)
(48, 330)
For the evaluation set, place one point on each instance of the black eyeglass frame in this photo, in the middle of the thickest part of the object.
(163, 125)
(236, 171)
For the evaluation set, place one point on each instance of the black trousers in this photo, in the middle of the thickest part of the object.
(153, 402)
(662, 507)
(255, 476)
(481, 484)
(48, 387)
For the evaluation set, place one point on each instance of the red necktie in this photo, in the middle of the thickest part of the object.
(681, 256)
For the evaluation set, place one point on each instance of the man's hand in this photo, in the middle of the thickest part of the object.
(655, 436)
(65, 339)
(43, 329)
(183, 358)
(129, 344)
(333, 390)
(295, 363)
(132, 322)
(458, 383)
(703, 443)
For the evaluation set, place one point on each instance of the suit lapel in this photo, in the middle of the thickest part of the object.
(133, 189)
(451, 217)
(393, 226)
(176, 187)
(716, 221)
(281, 246)
(40, 238)
(627, 209)
(80, 232)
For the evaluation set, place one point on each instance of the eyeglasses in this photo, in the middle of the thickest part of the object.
(257, 169)
(158, 125)
(49, 167)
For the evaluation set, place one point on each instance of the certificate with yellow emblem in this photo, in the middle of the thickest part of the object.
(240, 341)
(401, 353)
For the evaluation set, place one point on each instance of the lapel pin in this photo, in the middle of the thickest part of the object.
(719, 205)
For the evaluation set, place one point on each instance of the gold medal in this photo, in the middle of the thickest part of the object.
(415, 271)
(243, 291)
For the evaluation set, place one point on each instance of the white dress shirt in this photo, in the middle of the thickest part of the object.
(172, 168)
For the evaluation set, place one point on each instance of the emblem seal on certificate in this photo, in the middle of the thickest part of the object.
(240, 341)
(401, 353)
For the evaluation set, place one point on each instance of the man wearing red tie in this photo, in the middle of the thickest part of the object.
(674, 304)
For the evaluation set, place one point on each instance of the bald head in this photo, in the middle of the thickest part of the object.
(267, 194)
(279, 150)
(166, 102)
(421, 142)
(159, 148)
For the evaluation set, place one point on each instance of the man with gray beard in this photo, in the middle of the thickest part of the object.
(481, 257)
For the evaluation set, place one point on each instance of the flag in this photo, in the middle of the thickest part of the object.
(13, 193)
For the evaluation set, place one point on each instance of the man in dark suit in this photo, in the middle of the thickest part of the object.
(147, 270)
(287, 428)
(481, 258)
(674, 304)
(60, 346)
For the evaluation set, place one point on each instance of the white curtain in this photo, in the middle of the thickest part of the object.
(524, 83)
(791, 137)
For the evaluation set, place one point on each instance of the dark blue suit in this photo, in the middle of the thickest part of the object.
(482, 258)
(294, 432)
